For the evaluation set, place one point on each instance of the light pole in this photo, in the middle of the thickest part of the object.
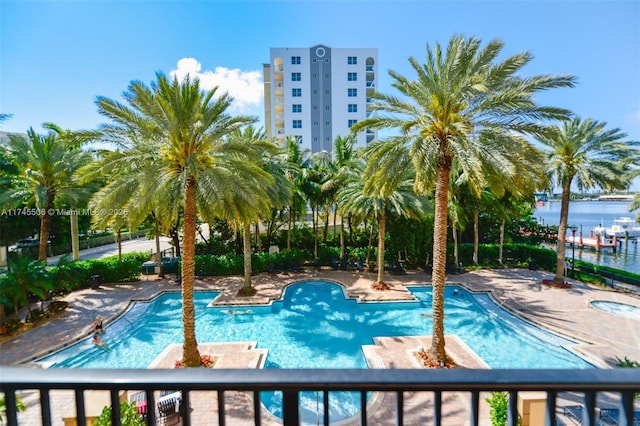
(573, 250)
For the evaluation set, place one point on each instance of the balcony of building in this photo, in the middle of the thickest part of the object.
(202, 396)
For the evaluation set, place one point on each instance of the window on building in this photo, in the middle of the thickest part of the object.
(327, 123)
(353, 107)
(314, 60)
(296, 93)
(326, 107)
(352, 93)
(352, 76)
(296, 76)
(352, 60)
(297, 124)
(296, 108)
(352, 122)
(314, 75)
(295, 60)
(314, 92)
(326, 92)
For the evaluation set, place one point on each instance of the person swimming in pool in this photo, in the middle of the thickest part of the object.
(98, 342)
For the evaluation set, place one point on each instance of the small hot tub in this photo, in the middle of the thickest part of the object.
(617, 308)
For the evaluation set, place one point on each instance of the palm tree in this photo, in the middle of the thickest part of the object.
(46, 164)
(360, 195)
(297, 162)
(185, 127)
(460, 94)
(592, 155)
(261, 192)
(25, 277)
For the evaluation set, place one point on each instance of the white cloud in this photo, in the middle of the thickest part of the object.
(245, 87)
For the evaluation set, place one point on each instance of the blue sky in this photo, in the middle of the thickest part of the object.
(57, 56)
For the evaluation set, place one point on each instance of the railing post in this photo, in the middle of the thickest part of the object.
(10, 404)
(184, 406)
(45, 407)
(437, 408)
(115, 408)
(290, 413)
(627, 406)
(512, 409)
(221, 414)
(589, 415)
(550, 415)
(475, 405)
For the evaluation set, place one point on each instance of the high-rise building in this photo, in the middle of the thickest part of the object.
(316, 94)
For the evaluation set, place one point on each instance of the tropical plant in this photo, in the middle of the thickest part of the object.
(585, 153)
(359, 197)
(129, 415)
(182, 127)
(3, 406)
(46, 164)
(25, 277)
(464, 106)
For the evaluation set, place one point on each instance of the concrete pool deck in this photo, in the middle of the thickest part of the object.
(567, 311)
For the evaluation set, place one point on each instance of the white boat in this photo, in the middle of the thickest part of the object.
(622, 227)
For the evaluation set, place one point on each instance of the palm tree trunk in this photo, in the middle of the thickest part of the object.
(158, 254)
(190, 354)
(314, 221)
(119, 240)
(45, 227)
(369, 245)
(342, 242)
(247, 254)
(335, 221)
(454, 233)
(476, 233)
(437, 351)
(258, 239)
(381, 233)
(562, 231)
(289, 228)
(501, 241)
(325, 232)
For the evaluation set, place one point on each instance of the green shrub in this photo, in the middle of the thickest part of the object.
(499, 403)
(56, 306)
(35, 316)
(129, 415)
(11, 325)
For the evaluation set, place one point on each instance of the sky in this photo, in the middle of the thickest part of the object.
(57, 56)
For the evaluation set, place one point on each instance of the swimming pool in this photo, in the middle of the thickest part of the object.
(617, 308)
(315, 326)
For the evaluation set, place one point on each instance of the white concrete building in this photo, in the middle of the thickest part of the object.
(318, 93)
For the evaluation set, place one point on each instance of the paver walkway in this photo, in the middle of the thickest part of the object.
(567, 311)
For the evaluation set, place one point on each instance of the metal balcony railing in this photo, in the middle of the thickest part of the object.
(590, 383)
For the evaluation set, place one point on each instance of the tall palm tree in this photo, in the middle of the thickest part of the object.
(461, 93)
(47, 164)
(362, 199)
(584, 152)
(185, 126)
(297, 161)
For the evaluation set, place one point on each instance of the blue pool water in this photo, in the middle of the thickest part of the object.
(315, 326)
(617, 308)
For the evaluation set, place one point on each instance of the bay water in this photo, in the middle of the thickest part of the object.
(587, 215)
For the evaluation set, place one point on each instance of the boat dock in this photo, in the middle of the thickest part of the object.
(594, 241)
